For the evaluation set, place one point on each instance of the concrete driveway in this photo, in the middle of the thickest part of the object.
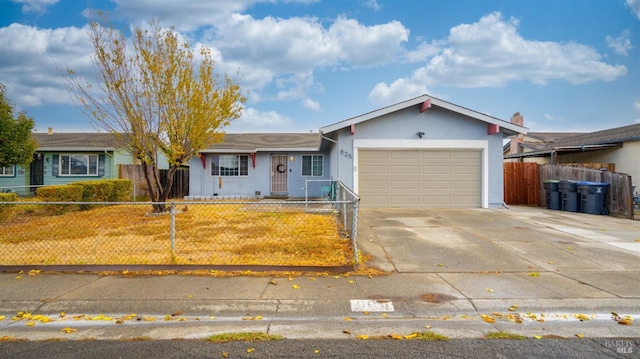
(562, 254)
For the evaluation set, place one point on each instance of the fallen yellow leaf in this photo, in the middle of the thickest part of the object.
(1, 317)
(63, 314)
(569, 247)
(316, 351)
(395, 336)
(427, 326)
(581, 317)
(538, 336)
(488, 318)
(362, 336)
(295, 286)
(513, 307)
(347, 319)
(149, 319)
(68, 330)
(346, 331)
(273, 281)
(411, 336)
(580, 335)
(489, 290)
(251, 350)
(534, 274)
(30, 324)
(384, 315)
(6, 338)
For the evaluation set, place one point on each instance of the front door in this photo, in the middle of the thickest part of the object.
(36, 170)
(279, 177)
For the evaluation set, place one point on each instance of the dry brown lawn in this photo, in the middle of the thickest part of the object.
(218, 234)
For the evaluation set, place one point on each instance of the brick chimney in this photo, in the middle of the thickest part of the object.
(50, 132)
(516, 119)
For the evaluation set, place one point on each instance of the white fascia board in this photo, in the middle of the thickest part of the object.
(418, 100)
(230, 150)
(373, 114)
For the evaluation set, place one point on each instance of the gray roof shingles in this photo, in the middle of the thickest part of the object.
(613, 135)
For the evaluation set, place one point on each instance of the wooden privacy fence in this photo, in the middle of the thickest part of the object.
(619, 197)
(179, 189)
(523, 184)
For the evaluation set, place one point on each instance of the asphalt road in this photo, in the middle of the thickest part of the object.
(462, 348)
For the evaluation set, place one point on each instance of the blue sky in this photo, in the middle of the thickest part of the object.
(566, 65)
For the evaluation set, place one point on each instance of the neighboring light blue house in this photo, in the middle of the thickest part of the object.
(259, 165)
(64, 158)
(423, 152)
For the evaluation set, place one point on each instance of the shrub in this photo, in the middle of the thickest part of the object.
(95, 191)
(121, 190)
(61, 193)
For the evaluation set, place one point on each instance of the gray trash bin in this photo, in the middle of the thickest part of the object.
(592, 197)
(552, 194)
(569, 196)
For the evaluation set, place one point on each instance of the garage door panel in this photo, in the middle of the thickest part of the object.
(436, 185)
(404, 169)
(420, 178)
(436, 170)
(405, 185)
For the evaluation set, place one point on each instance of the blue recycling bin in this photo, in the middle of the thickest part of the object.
(569, 200)
(552, 194)
(592, 197)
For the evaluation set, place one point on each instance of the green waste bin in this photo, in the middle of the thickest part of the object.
(592, 197)
(552, 194)
(569, 200)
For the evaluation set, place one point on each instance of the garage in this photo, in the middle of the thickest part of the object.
(420, 178)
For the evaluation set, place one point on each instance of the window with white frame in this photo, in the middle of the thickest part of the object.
(6, 171)
(229, 165)
(78, 165)
(312, 165)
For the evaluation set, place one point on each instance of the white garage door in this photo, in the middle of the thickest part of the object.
(420, 178)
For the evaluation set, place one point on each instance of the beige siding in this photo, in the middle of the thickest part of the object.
(420, 178)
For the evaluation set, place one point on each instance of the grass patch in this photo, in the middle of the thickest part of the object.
(244, 337)
(429, 335)
(220, 234)
(504, 335)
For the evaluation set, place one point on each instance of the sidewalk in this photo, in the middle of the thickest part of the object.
(458, 302)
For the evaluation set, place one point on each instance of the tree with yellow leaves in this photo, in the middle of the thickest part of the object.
(157, 98)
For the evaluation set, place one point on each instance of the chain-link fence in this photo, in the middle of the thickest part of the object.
(222, 232)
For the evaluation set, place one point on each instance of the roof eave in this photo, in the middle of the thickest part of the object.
(508, 128)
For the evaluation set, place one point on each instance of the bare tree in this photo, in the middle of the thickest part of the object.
(157, 97)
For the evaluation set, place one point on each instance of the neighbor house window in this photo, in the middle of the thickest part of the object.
(312, 165)
(6, 171)
(78, 165)
(229, 165)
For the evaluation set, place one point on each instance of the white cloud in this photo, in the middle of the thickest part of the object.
(253, 120)
(186, 15)
(635, 7)
(620, 44)
(636, 105)
(35, 6)
(32, 59)
(401, 89)
(310, 104)
(423, 52)
(372, 4)
(491, 53)
(300, 44)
